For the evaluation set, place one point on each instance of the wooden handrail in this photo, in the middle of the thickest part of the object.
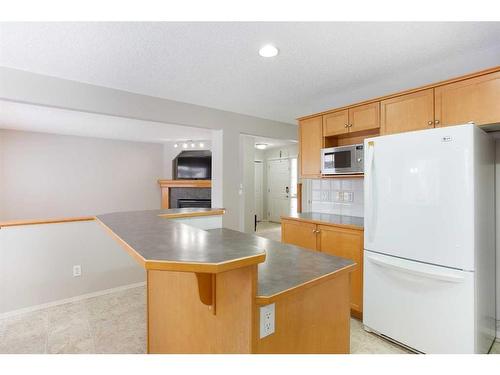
(14, 223)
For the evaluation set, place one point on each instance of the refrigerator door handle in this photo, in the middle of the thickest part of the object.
(369, 228)
(414, 269)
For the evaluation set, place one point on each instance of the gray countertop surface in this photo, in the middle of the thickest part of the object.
(286, 266)
(330, 218)
(157, 238)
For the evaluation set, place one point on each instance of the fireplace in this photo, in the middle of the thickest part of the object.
(192, 190)
(182, 203)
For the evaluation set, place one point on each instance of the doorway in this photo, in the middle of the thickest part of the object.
(281, 188)
(259, 190)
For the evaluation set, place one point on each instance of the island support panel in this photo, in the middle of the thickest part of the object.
(201, 313)
(311, 319)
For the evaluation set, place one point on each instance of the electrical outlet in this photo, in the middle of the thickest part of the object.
(339, 196)
(267, 316)
(77, 270)
(325, 196)
(348, 196)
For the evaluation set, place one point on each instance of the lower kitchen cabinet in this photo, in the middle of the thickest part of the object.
(334, 240)
(299, 233)
(346, 243)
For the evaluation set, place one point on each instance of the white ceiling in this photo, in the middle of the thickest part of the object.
(28, 117)
(321, 65)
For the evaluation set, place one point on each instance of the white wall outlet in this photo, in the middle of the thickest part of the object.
(339, 196)
(267, 316)
(325, 196)
(348, 196)
(77, 270)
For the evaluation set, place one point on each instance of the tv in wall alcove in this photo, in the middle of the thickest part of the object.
(192, 165)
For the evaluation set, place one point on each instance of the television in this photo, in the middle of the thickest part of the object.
(192, 165)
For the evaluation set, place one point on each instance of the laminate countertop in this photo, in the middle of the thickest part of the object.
(286, 266)
(159, 243)
(329, 219)
(163, 244)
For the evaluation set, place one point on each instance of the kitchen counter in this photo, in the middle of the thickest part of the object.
(158, 242)
(286, 266)
(353, 222)
(205, 287)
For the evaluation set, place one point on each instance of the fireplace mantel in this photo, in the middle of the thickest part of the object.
(165, 186)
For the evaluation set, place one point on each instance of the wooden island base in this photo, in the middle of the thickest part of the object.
(313, 318)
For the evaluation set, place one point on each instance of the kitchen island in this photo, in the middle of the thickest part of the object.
(206, 286)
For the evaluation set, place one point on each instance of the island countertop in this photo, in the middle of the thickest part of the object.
(287, 266)
(159, 243)
(163, 244)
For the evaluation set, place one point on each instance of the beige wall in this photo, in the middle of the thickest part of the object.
(46, 175)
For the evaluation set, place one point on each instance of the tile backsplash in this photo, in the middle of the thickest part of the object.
(342, 196)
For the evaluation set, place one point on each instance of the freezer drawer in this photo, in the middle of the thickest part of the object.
(426, 307)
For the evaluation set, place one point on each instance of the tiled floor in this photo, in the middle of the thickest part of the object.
(269, 230)
(113, 323)
(116, 323)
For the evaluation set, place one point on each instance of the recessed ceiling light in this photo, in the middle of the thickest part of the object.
(184, 145)
(268, 51)
(176, 145)
(201, 144)
(261, 146)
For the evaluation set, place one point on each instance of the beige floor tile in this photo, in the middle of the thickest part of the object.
(25, 333)
(269, 230)
(116, 323)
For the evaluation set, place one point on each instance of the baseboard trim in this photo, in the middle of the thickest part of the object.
(81, 297)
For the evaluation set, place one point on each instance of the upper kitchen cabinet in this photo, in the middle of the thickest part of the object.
(408, 112)
(311, 142)
(475, 99)
(364, 117)
(355, 119)
(336, 123)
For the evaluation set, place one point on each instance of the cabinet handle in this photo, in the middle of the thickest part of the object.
(350, 125)
(436, 122)
(346, 126)
(430, 123)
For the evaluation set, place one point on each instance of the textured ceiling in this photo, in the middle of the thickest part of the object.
(321, 65)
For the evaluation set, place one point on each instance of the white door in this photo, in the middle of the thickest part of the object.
(278, 187)
(426, 307)
(419, 196)
(259, 193)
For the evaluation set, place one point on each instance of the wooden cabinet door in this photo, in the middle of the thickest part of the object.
(336, 123)
(299, 233)
(407, 112)
(364, 117)
(346, 243)
(475, 99)
(311, 142)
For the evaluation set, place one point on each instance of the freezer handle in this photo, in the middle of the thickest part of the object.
(413, 268)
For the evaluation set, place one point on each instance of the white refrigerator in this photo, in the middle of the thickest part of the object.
(429, 260)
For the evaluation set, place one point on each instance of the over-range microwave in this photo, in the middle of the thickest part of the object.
(342, 160)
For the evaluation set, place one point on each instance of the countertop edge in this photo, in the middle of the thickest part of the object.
(264, 300)
(319, 222)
